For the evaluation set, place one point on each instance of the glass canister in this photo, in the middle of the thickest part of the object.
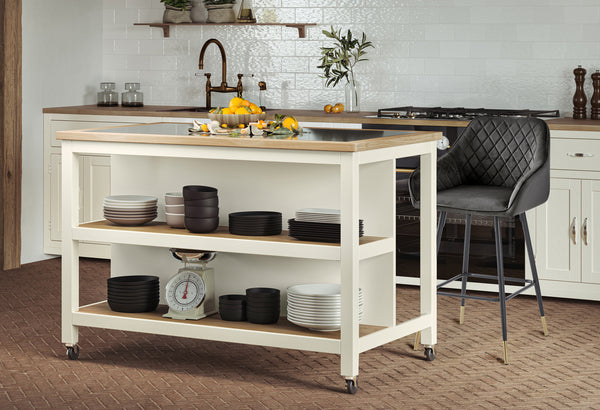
(132, 97)
(108, 97)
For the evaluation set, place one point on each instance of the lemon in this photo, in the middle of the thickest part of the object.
(338, 108)
(255, 109)
(242, 110)
(290, 123)
(204, 127)
(235, 102)
(226, 111)
(245, 103)
(327, 108)
(223, 125)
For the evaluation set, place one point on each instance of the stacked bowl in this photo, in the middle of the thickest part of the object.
(201, 208)
(232, 307)
(262, 305)
(130, 210)
(133, 294)
(174, 209)
(317, 306)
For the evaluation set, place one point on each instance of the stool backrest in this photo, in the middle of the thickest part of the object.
(499, 151)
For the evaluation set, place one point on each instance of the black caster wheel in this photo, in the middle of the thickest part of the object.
(73, 352)
(351, 386)
(429, 354)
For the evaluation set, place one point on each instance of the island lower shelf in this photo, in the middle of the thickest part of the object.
(281, 334)
(161, 235)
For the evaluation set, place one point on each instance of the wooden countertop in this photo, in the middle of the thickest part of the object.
(313, 139)
(302, 116)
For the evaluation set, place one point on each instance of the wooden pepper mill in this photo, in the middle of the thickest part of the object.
(596, 97)
(579, 99)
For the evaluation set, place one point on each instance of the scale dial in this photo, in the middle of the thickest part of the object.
(185, 291)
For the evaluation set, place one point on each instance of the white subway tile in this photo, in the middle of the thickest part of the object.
(151, 47)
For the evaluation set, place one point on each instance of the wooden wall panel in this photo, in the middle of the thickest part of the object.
(11, 126)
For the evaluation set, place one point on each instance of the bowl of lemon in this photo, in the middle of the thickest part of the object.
(238, 114)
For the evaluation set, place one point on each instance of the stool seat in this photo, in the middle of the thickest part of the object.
(474, 199)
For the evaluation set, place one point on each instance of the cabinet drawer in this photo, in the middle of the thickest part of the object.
(581, 155)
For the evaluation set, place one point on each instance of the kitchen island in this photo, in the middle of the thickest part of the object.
(352, 170)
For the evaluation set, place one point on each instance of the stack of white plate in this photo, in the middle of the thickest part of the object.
(317, 306)
(130, 209)
(322, 215)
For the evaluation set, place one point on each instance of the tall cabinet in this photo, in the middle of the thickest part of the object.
(567, 226)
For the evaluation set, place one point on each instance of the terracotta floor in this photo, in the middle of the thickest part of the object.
(128, 370)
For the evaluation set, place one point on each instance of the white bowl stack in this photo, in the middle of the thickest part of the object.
(317, 306)
(130, 210)
(174, 209)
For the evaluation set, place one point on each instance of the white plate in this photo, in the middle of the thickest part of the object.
(130, 198)
(315, 289)
(130, 222)
(154, 215)
(320, 328)
(318, 304)
(312, 321)
(132, 209)
(129, 206)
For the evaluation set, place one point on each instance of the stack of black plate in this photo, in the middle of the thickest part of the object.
(318, 231)
(133, 294)
(232, 307)
(263, 305)
(255, 223)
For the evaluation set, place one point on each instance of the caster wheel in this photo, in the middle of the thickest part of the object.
(73, 352)
(429, 354)
(351, 386)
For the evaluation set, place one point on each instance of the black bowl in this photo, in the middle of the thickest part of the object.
(199, 192)
(233, 315)
(262, 318)
(269, 293)
(132, 308)
(131, 280)
(214, 201)
(232, 300)
(264, 306)
(265, 310)
(201, 211)
(201, 225)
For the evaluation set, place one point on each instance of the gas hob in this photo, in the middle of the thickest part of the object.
(458, 113)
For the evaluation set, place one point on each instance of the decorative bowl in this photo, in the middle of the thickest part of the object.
(233, 120)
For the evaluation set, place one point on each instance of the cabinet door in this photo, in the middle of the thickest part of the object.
(558, 249)
(590, 226)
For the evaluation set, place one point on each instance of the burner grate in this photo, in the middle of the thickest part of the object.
(459, 113)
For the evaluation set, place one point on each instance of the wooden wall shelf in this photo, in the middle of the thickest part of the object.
(166, 26)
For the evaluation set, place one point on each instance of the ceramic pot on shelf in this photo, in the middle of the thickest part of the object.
(177, 15)
(220, 13)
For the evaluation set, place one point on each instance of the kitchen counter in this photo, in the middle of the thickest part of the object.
(168, 111)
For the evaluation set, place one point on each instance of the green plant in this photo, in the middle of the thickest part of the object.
(338, 61)
(180, 4)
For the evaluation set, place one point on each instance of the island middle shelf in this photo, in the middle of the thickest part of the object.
(160, 234)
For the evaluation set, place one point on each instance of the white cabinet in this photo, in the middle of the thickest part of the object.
(94, 177)
(568, 257)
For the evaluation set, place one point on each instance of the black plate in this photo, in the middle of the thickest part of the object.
(133, 308)
(131, 280)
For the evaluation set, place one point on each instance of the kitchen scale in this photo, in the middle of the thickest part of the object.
(190, 293)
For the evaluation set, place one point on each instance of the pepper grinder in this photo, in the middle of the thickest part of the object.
(579, 99)
(595, 115)
(262, 88)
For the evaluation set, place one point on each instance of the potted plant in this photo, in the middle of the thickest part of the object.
(338, 63)
(220, 11)
(177, 11)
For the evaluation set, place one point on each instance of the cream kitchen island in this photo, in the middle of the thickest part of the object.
(352, 170)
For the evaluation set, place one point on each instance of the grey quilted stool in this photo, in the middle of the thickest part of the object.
(500, 167)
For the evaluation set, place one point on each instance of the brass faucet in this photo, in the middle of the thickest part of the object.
(223, 88)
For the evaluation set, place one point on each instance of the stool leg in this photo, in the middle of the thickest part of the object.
(501, 293)
(536, 282)
(440, 229)
(465, 267)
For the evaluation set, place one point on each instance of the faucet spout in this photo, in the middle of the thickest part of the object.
(223, 88)
(223, 58)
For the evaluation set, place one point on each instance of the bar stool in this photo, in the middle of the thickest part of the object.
(500, 167)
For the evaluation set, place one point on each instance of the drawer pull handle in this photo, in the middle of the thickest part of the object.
(585, 241)
(574, 231)
(579, 154)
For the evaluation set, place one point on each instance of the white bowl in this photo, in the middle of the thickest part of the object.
(174, 198)
(175, 220)
(175, 209)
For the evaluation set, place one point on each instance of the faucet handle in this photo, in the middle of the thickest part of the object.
(240, 86)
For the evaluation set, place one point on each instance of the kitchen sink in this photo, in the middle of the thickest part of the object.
(186, 109)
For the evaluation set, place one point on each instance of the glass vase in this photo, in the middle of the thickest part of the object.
(352, 93)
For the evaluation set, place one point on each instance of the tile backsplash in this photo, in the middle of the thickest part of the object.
(475, 53)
